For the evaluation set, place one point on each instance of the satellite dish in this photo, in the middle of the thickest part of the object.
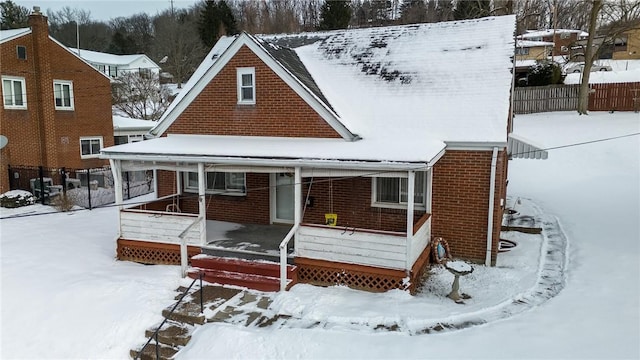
(3, 141)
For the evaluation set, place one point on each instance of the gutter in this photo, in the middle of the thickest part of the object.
(492, 189)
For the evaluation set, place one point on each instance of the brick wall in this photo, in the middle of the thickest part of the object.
(278, 111)
(42, 135)
(460, 199)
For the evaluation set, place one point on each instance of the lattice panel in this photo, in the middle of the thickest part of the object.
(354, 279)
(151, 255)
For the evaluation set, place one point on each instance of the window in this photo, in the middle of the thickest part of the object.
(246, 86)
(113, 71)
(120, 139)
(14, 92)
(21, 52)
(564, 35)
(217, 183)
(522, 51)
(392, 192)
(90, 147)
(63, 94)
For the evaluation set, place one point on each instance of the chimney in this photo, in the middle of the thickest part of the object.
(38, 23)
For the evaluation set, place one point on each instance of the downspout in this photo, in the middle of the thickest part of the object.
(492, 189)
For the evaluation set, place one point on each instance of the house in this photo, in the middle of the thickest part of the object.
(562, 39)
(627, 46)
(116, 65)
(353, 139)
(127, 130)
(56, 109)
(533, 50)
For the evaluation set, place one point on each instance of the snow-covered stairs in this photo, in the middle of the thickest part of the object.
(257, 275)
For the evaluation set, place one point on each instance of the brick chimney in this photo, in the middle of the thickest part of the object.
(44, 83)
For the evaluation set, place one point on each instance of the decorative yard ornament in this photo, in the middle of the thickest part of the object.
(3, 141)
(458, 268)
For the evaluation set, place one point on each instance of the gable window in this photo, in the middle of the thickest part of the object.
(21, 52)
(246, 86)
(90, 147)
(217, 183)
(63, 94)
(14, 92)
(392, 192)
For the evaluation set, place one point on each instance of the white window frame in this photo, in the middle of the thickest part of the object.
(246, 71)
(228, 190)
(401, 204)
(62, 84)
(11, 93)
(90, 139)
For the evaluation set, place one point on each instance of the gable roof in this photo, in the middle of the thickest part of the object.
(549, 32)
(111, 59)
(407, 91)
(8, 35)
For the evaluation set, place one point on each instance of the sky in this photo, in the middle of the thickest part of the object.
(106, 10)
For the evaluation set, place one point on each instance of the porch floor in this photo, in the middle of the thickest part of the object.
(226, 237)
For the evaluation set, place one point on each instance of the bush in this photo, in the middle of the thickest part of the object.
(64, 202)
(17, 198)
(545, 73)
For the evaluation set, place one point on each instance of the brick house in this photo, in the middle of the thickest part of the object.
(562, 39)
(354, 139)
(56, 108)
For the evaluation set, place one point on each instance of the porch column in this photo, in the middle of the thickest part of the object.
(202, 208)
(297, 191)
(411, 182)
(178, 182)
(116, 170)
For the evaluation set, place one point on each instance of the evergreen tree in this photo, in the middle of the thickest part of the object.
(13, 16)
(216, 20)
(335, 14)
(472, 9)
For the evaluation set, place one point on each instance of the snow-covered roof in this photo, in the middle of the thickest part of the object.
(124, 123)
(405, 90)
(531, 34)
(111, 59)
(530, 43)
(8, 35)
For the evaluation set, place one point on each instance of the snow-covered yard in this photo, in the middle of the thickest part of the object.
(64, 295)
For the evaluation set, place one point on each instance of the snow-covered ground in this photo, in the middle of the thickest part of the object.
(621, 71)
(64, 295)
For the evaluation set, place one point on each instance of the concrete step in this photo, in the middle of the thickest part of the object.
(172, 333)
(262, 268)
(149, 352)
(250, 281)
(187, 312)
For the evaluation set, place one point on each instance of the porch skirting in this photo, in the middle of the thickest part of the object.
(151, 252)
(360, 277)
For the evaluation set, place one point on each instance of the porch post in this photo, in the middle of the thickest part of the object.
(297, 191)
(116, 170)
(178, 182)
(411, 182)
(202, 208)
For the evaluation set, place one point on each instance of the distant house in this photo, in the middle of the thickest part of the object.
(56, 109)
(562, 39)
(345, 152)
(127, 130)
(533, 50)
(116, 65)
(627, 46)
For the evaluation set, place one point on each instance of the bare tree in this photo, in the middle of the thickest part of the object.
(140, 96)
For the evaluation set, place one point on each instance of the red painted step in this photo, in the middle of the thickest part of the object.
(256, 282)
(241, 266)
(258, 275)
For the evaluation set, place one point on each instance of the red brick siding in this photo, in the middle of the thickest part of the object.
(278, 111)
(460, 199)
(41, 135)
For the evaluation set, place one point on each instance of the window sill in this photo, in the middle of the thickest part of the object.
(84, 157)
(64, 109)
(221, 193)
(15, 107)
(397, 206)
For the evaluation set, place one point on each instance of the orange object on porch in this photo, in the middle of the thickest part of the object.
(331, 219)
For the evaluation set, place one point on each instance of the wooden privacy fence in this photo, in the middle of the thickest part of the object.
(602, 97)
(535, 99)
(615, 97)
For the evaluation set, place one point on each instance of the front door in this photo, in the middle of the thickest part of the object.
(282, 196)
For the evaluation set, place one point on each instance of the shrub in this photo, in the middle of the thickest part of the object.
(64, 201)
(545, 73)
(17, 198)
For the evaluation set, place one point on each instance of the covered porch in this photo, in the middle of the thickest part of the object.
(368, 246)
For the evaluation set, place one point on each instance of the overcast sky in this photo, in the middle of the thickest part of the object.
(105, 10)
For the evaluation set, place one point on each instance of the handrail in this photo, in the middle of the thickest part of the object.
(183, 245)
(283, 257)
(155, 333)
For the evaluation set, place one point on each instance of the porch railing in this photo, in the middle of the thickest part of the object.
(283, 257)
(158, 226)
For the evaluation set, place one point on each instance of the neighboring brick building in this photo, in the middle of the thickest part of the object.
(562, 39)
(356, 138)
(56, 108)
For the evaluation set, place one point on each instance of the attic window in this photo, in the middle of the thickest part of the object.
(21, 51)
(246, 86)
